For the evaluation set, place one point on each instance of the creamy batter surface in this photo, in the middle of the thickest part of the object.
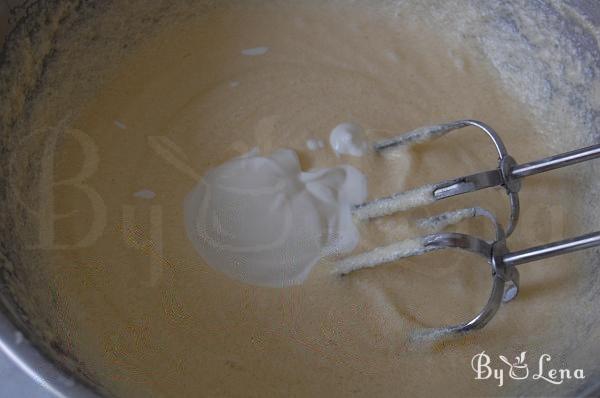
(147, 317)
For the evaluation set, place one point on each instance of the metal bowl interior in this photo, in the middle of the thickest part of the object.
(33, 35)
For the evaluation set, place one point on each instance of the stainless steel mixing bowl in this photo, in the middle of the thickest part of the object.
(23, 25)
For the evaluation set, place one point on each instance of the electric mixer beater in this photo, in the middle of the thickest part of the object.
(503, 262)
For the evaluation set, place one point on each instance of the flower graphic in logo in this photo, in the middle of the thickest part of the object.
(519, 369)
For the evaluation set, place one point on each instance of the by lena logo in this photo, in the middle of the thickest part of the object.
(520, 370)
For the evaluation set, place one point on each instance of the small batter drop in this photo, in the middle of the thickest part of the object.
(349, 139)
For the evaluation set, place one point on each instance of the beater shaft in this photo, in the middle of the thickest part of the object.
(478, 181)
(552, 249)
(495, 177)
(557, 161)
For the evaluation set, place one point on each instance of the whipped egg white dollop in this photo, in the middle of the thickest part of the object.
(263, 221)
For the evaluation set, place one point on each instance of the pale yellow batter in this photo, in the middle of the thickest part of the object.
(147, 317)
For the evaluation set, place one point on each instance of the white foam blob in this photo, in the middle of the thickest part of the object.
(349, 139)
(120, 124)
(252, 52)
(264, 221)
(313, 144)
(145, 194)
